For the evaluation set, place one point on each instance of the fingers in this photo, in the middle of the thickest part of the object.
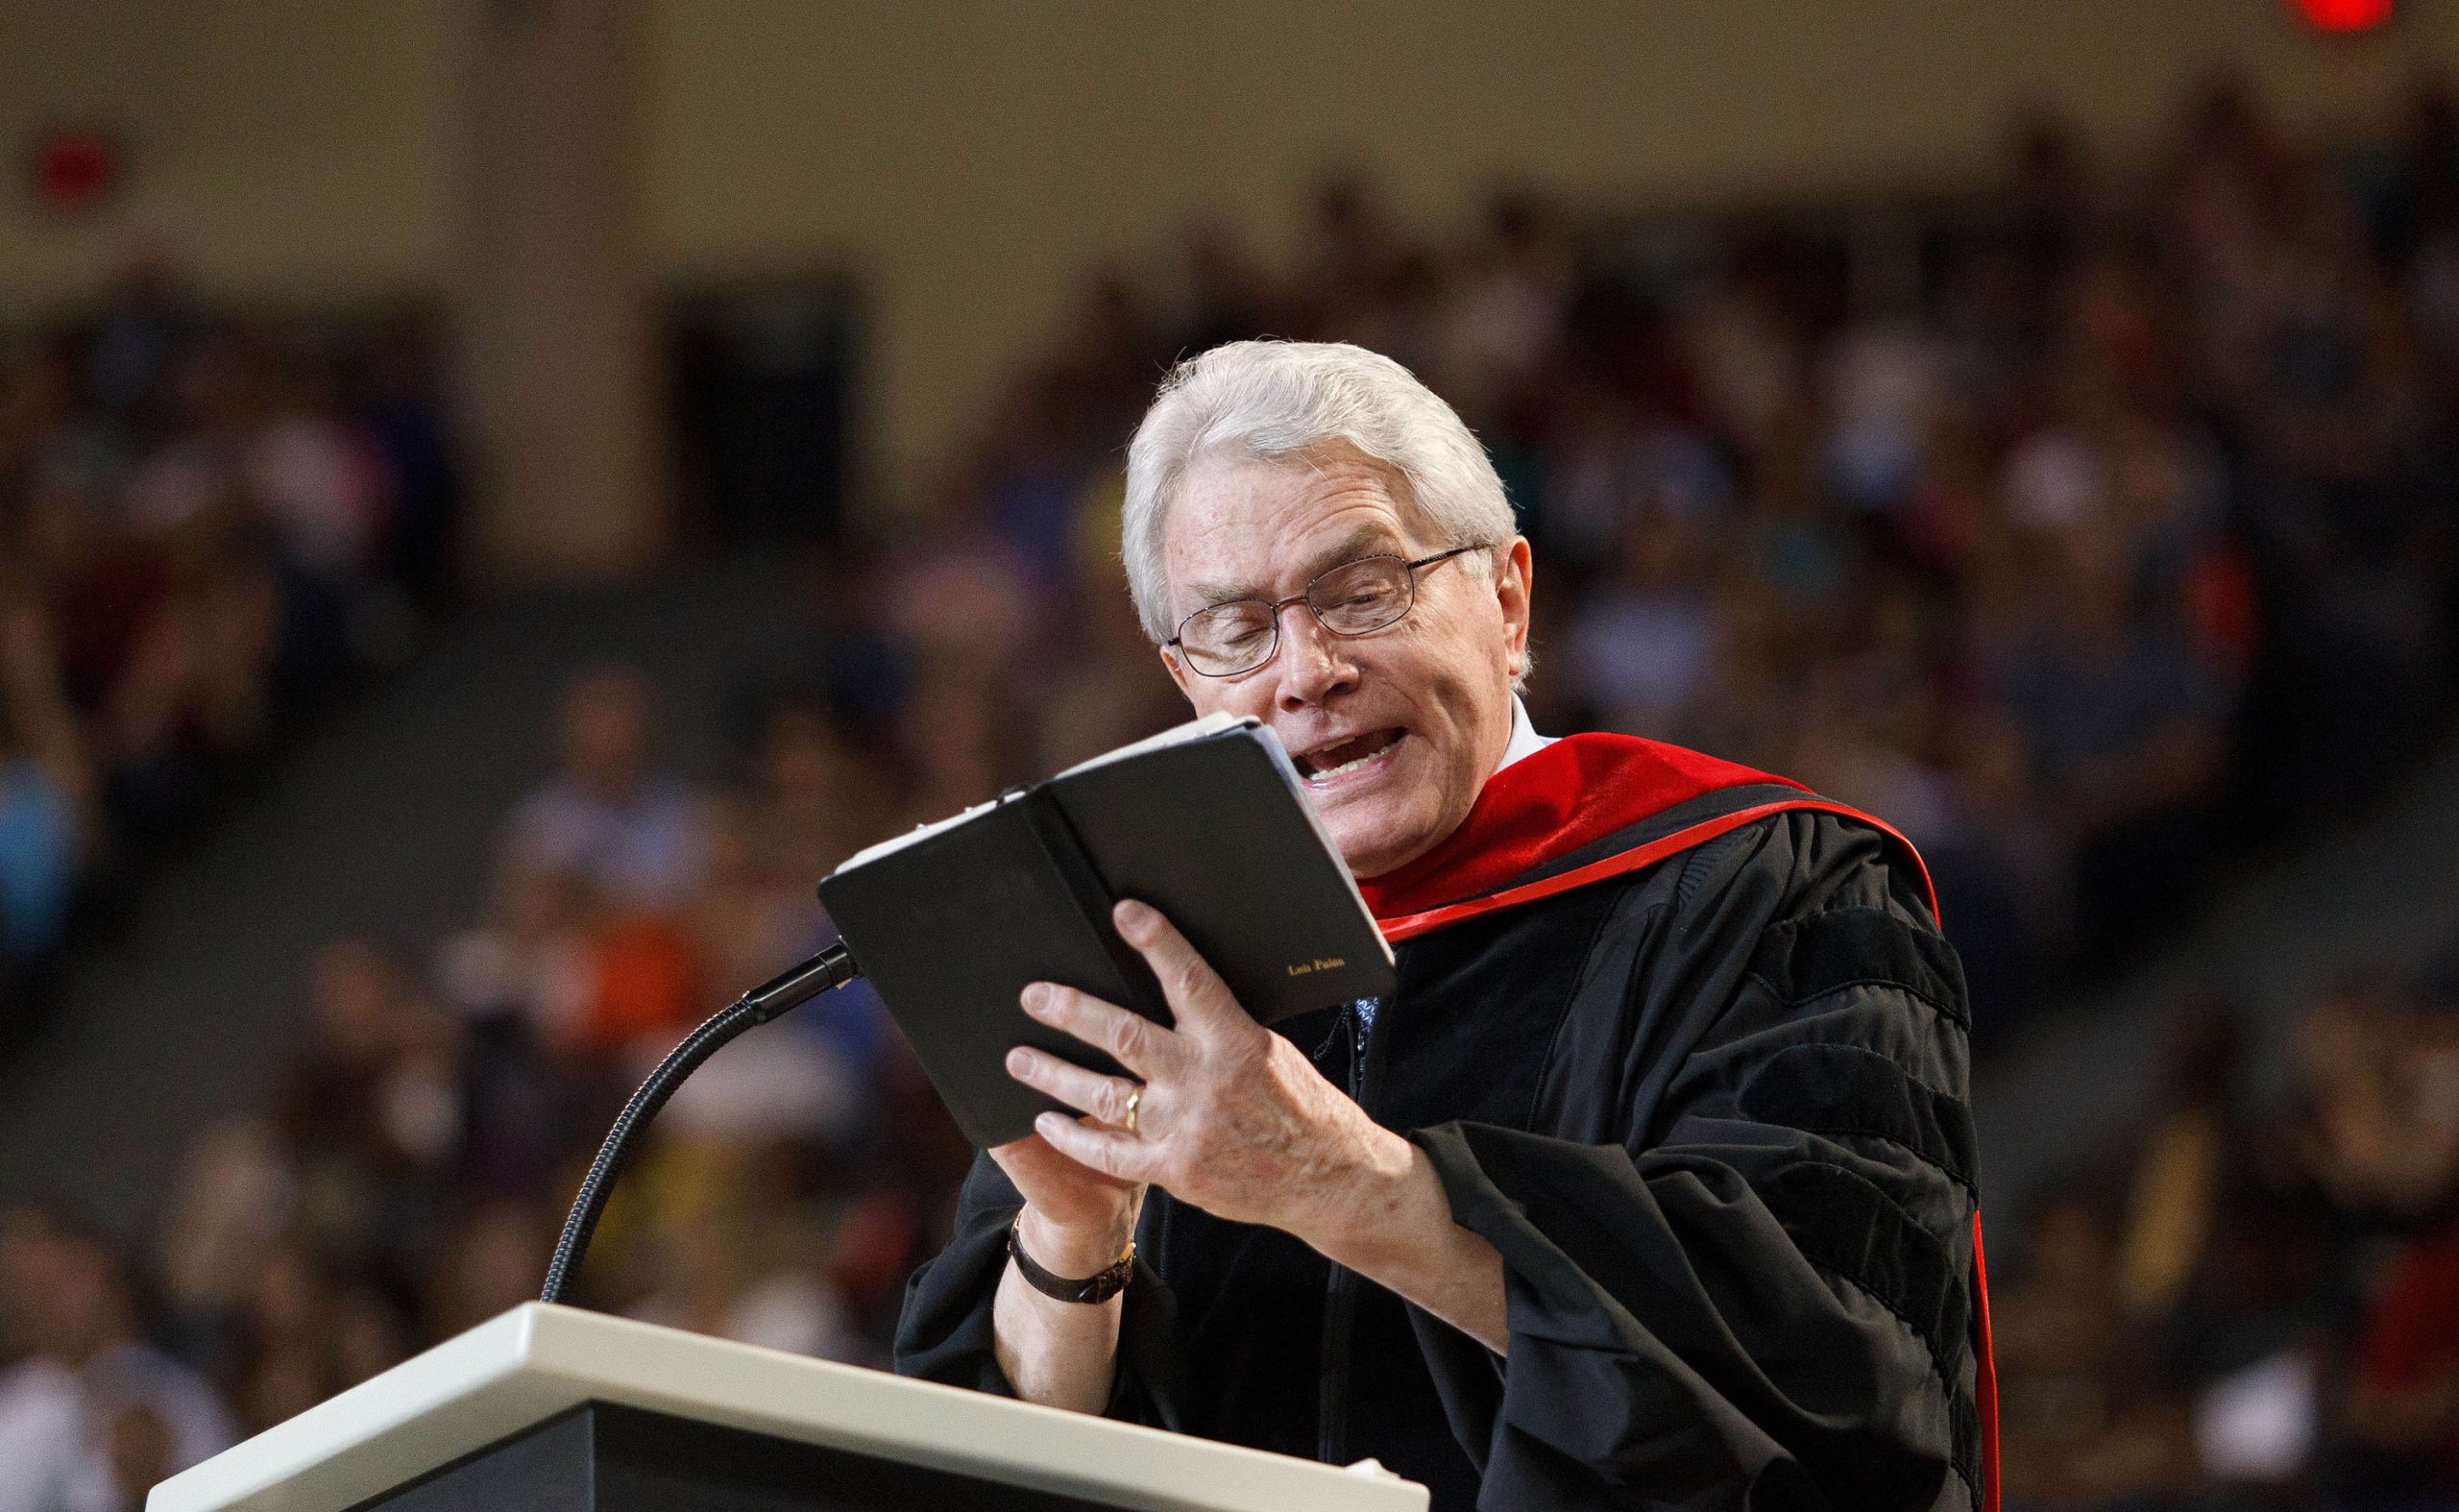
(1197, 996)
(1065, 1190)
(1132, 1039)
(1113, 1152)
(1105, 1097)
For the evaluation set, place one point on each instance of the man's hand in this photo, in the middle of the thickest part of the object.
(1233, 1118)
(1077, 1219)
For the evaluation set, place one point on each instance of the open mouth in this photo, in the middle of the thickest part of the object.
(1323, 763)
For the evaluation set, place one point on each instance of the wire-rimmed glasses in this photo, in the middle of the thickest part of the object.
(1359, 597)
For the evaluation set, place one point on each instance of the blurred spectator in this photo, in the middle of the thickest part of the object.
(527, 967)
(45, 787)
(1501, 320)
(636, 835)
(2375, 1127)
(370, 1115)
(308, 1333)
(91, 1415)
(493, 1260)
(2078, 1424)
(731, 1257)
(291, 1225)
(1645, 645)
(602, 863)
(2122, 731)
(2177, 1186)
(2403, 1399)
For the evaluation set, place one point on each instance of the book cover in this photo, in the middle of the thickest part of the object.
(1207, 823)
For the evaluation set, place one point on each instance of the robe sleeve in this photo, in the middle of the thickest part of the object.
(1757, 1295)
(943, 1333)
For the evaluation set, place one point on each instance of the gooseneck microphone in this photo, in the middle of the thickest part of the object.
(832, 967)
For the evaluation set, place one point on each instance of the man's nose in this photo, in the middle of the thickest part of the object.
(1313, 662)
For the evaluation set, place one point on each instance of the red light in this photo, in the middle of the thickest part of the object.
(2342, 16)
(74, 168)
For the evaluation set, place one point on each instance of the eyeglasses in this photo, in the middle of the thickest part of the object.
(1359, 597)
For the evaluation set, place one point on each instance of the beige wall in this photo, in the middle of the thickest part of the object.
(969, 157)
(282, 149)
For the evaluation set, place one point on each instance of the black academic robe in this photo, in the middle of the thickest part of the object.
(1712, 1112)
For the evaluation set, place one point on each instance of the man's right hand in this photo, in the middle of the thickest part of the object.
(1075, 1223)
(1077, 1220)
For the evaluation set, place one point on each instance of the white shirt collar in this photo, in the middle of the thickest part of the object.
(1524, 738)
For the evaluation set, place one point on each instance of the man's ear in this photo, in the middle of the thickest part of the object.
(1514, 576)
(1178, 673)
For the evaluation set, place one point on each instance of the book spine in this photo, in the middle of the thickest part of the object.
(1094, 901)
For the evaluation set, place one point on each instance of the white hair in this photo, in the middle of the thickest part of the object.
(1280, 401)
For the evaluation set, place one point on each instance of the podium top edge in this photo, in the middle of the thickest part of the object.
(539, 1359)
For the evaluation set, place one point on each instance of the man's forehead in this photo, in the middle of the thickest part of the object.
(1239, 525)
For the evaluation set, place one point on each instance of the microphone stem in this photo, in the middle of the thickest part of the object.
(832, 967)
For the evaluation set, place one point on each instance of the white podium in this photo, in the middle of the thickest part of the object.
(553, 1409)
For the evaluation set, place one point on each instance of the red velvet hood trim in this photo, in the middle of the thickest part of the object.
(1548, 804)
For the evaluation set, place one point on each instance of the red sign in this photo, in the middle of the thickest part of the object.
(73, 168)
(2342, 16)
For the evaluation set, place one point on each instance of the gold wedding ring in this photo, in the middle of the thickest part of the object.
(1134, 1098)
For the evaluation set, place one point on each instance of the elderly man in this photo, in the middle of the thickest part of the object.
(1651, 1186)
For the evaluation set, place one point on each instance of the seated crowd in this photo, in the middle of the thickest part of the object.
(204, 523)
(2085, 530)
(2252, 1300)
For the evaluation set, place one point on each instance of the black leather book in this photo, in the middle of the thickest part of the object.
(1205, 822)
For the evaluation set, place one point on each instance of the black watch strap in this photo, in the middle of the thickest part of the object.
(1101, 1287)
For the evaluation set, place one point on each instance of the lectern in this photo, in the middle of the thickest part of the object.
(554, 1409)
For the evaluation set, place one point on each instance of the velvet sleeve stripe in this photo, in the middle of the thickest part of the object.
(1848, 1225)
(1837, 1089)
(1808, 957)
(1845, 1225)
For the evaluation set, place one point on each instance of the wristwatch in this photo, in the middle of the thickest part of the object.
(1101, 1287)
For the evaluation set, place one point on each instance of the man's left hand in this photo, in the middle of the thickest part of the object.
(1232, 1118)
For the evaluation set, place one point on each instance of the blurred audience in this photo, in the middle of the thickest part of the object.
(2250, 1303)
(404, 1181)
(203, 525)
